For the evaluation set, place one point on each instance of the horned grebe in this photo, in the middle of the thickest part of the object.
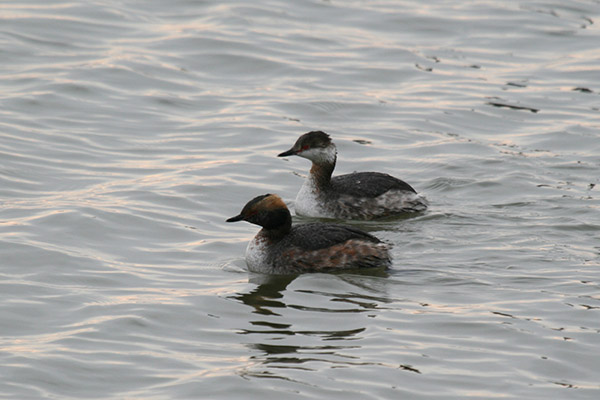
(360, 195)
(280, 248)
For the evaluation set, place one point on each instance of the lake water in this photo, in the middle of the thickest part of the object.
(130, 130)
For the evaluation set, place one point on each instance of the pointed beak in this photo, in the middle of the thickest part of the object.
(236, 218)
(290, 152)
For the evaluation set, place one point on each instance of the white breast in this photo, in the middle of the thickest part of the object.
(256, 255)
(306, 202)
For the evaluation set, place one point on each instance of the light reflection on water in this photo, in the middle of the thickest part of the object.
(130, 133)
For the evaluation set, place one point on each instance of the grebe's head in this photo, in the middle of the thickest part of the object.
(268, 211)
(315, 146)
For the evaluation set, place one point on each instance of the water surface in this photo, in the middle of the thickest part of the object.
(129, 131)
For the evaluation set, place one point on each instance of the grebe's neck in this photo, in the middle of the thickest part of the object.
(323, 164)
(276, 224)
(320, 174)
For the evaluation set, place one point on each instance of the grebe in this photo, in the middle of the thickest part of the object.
(360, 195)
(280, 248)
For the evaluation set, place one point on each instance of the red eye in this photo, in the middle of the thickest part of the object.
(305, 147)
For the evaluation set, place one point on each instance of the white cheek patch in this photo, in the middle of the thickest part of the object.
(320, 155)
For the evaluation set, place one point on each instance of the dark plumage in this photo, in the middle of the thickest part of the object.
(315, 236)
(282, 248)
(367, 184)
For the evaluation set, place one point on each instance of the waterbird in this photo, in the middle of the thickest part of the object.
(359, 195)
(282, 248)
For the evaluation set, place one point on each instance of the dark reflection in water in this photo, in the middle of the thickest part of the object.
(267, 294)
(269, 291)
(316, 336)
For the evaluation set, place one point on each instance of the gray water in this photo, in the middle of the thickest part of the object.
(130, 130)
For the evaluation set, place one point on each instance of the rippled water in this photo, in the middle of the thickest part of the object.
(130, 130)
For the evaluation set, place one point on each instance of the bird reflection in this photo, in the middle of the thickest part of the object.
(267, 292)
(299, 335)
(270, 288)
